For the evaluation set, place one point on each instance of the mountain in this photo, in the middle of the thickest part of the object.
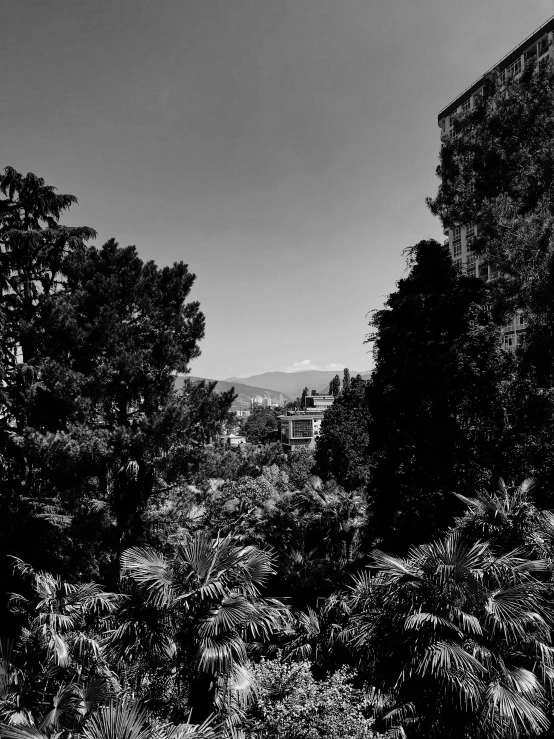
(245, 392)
(292, 383)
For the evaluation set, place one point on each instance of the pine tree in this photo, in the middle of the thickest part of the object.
(91, 425)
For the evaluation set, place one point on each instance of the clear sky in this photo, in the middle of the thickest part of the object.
(282, 148)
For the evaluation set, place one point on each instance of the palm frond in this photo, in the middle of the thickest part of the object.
(420, 619)
(504, 706)
(20, 732)
(66, 707)
(394, 567)
(152, 572)
(95, 693)
(118, 721)
(448, 656)
(232, 613)
(218, 654)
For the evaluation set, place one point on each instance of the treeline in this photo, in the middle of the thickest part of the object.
(168, 588)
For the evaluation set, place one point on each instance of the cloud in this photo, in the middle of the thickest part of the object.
(307, 364)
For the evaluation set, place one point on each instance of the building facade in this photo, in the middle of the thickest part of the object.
(319, 402)
(537, 48)
(299, 429)
(302, 428)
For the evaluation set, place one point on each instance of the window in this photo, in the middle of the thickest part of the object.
(471, 264)
(511, 70)
(465, 106)
(509, 341)
(530, 53)
(470, 235)
(457, 242)
(458, 265)
(484, 271)
(520, 320)
(543, 45)
(302, 429)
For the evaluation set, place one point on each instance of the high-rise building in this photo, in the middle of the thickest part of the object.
(538, 47)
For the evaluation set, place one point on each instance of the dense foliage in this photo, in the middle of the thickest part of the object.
(497, 172)
(389, 583)
(261, 426)
(435, 397)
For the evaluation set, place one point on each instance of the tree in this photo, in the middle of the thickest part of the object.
(456, 640)
(33, 247)
(342, 450)
(346, 379)
(58, 658)
(334, 386)
(497, 172)
(195, 612)
(435, 399)
(261, 426)
(305, 393)
(91, 426)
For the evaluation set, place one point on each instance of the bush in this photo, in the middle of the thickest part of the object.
(291, 703)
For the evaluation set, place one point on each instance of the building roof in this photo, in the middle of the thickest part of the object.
(301, 416)
(504, 62)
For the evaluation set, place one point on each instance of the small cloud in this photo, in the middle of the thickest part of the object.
(307, 364)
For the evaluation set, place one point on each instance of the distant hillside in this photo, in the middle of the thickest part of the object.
(292, 383)
(245, 392)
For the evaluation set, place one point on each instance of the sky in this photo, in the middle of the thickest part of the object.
(283, 149)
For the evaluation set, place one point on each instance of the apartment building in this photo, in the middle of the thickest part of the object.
(538, 48)
(300, 429)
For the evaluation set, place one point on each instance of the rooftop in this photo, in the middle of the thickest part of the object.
(504, 62)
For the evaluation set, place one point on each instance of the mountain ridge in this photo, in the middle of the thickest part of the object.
(292, 383)
(245, 392)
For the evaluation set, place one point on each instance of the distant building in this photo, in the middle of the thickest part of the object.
(233, 440)
(242, 413)
(319, 402)
(301, 428)
(261, 402)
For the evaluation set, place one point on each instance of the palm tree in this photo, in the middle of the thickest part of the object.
(339, 516)
(60, 615)
(197, 611)
(117, 720)
(457, 640)
(506, 518)
(57, 668)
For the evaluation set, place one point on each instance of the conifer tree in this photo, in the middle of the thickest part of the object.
(434, 400)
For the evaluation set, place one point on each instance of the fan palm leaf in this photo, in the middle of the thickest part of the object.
(118, 721)
(152, 571)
